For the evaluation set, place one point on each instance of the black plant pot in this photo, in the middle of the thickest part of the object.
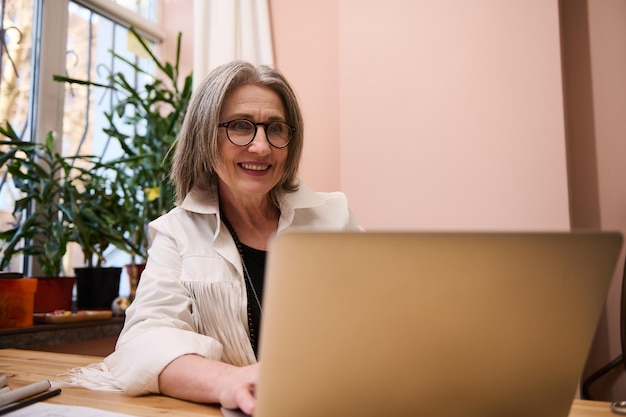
(96, 288)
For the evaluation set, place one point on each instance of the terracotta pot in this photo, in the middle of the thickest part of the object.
(54, 293)
(16, 302)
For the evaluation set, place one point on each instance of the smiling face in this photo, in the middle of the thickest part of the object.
(251, 171)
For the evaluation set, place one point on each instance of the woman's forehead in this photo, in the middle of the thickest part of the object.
(252, 97)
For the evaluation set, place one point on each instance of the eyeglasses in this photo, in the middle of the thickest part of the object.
(241, 132)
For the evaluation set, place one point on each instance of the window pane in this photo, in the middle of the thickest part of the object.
(91, 38)
(17, 27)
(15, 78)
(144, 8)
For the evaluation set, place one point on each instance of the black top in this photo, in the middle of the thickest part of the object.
(255, 264)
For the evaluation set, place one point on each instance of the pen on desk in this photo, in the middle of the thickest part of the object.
(29, 401)
(23, 392)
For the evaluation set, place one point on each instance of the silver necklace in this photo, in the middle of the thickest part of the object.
(246, 274)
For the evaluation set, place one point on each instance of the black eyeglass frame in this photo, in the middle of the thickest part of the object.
(256, 124)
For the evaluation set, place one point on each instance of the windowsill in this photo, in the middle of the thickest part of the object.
(57, 334)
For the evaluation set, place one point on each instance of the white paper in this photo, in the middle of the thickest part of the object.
(60, 410)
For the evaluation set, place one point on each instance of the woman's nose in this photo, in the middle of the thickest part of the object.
(260, 144)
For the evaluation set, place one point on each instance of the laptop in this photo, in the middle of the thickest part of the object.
(430, 324)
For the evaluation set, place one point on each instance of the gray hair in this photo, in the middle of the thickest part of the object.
(197, 152)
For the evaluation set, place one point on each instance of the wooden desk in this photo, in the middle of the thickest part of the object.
(583, 408)
(25, 366)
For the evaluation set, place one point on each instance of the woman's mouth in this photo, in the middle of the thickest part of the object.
(254, 167)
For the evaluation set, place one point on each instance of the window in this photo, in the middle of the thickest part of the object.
(77, 38)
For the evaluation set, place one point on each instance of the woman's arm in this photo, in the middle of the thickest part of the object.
(194, 378)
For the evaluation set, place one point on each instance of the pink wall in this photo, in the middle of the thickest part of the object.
(177, 17)
(449, 113)
(443, 108)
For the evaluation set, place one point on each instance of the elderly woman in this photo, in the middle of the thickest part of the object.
(192, 330)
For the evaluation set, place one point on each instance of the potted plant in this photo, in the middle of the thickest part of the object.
(63, 199)
(100, 210)
(145, 121)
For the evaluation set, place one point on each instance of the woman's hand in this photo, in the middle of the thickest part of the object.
(194, 378)
(238, 388)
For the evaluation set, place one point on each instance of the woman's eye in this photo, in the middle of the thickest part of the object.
(241, 126)
(276, 128)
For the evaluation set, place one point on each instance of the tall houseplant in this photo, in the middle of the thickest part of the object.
(102, 200)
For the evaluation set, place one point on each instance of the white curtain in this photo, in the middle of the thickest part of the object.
(225, 30)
